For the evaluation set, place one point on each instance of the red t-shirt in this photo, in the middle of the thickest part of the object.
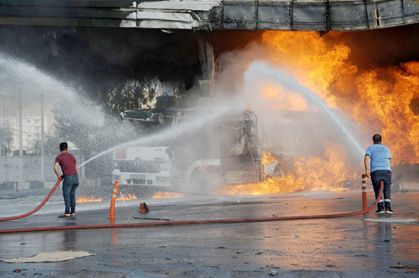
(67, 162)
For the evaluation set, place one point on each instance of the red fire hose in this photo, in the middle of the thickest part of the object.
(37, 208)
(192, 222)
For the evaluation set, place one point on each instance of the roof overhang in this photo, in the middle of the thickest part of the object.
(325, 15)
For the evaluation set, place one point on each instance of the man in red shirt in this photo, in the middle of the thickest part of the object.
(68, 165)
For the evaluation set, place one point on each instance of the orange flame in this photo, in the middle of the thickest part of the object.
(84, 199)
(128, 197)
(164, 195)
(389, 105)
(280, 99)
(381, 100)
(267, 158)
(326, 172)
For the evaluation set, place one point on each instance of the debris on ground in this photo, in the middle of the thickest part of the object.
(43, 257)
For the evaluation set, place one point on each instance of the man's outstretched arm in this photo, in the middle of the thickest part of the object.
(367, 165)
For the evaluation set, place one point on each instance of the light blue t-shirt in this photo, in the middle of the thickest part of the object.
(380, 157)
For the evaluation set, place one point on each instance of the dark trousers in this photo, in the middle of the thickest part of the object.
(385, 176)
(70, 184)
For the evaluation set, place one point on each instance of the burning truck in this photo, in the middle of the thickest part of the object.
(225, 151)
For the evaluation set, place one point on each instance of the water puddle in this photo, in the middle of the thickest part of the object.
(392, 220)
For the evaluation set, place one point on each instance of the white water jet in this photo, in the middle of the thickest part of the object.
(258, 70)
(17, 77)
(214, 112)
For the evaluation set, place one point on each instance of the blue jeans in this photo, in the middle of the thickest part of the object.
(70, 184)
(385, 176)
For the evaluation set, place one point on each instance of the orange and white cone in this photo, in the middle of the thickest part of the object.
(113, 201)
(364, 192)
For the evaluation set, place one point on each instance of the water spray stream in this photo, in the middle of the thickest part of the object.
(18, 76)
(170, 133)
(289, 82)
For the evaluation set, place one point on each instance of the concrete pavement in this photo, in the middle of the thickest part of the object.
(345, 247)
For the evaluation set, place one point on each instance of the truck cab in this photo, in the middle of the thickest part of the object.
(142, 166)
(223, 151)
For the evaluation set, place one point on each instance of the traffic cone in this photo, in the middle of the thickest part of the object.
(113, 201)
(364, 193)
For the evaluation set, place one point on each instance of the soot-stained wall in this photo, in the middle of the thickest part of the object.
(96, 59)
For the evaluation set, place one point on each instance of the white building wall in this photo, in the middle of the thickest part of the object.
(31, 131)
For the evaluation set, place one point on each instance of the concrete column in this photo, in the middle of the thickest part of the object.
(3, 125)
(206, 58)
(20, 183)
(3, 138)
(42, 139)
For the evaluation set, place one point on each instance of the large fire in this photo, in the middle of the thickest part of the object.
(278, 99)
(379, 100)
(326, 172)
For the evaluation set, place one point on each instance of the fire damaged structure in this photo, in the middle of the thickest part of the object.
(117, 50)
(318, 15)
(226, 151)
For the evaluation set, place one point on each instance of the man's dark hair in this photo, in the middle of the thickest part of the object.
(63, 146)
(376, 138)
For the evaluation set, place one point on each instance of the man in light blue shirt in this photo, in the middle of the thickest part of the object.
(377, 166)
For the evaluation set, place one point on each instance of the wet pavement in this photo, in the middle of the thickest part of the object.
(345, 247)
